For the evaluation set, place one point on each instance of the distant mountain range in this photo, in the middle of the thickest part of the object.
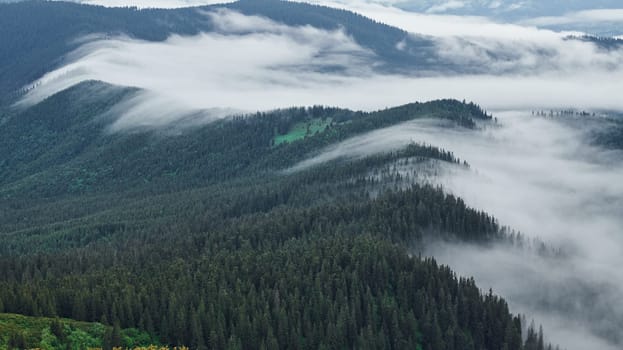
(508, 9)
(554, 14)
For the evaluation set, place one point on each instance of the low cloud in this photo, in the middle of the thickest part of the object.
(449, 5)
(578, 307)
(580, 17)
(540, 176)
(439, 25)
(491, 18)
(271, 66)
(528, 57)
(252, 63)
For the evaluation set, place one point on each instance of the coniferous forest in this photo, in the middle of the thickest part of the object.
(206, 237)
(166, 183)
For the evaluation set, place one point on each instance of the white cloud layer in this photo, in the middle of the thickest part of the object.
(539, 176)
(580, 17)
(438, 24)
(449, 5)
(256, 64)
(275, 65)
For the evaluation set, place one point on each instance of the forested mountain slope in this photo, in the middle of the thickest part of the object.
(204, 235)
(64, 145)
(61, 160)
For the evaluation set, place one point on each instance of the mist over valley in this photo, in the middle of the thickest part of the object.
(323, 174)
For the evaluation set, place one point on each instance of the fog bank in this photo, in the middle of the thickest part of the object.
(539, 176)
(252, 63)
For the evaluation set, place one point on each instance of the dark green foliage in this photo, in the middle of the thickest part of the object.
(107, 342)
(57, 329)
(115, 336)
(203, 237)
(21, 332)
(17, 341)
(309, 293)
(62, 145)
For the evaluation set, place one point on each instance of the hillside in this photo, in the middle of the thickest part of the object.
(64, 145)
(204, 237)
(139, 206)
(88, 183)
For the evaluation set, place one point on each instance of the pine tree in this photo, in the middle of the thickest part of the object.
(196, 333)
(531, 342)
(115, 338)
(58, 329)
(17, 341)
(107, 343)
(540, 342)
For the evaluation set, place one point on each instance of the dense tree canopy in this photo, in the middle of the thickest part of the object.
(203, 237)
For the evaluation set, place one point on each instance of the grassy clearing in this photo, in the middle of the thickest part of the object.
(22, 332)
(302, 130)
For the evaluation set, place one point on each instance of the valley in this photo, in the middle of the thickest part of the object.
(268, 174)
